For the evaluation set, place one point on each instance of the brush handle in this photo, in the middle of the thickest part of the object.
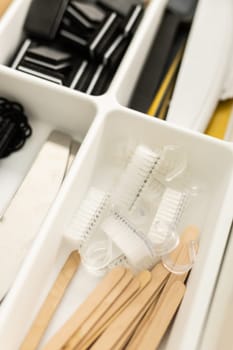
(51, 303)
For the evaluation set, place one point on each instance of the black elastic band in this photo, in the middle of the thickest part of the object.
(14, 127)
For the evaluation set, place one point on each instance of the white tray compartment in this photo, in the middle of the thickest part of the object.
(205, 66)
(217, 333)
(11, 26)
(94, 167)
(48, 109)
(129, 69)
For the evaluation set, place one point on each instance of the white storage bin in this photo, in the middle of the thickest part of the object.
(210, 165)
(11, 33)
(47, 108)
(206, 66)
(54, 107)
(217, 333)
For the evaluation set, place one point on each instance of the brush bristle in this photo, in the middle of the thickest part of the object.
(168, 215)
(135, 178)
(85, 221)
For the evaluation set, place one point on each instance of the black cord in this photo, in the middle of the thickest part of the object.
(14, 127)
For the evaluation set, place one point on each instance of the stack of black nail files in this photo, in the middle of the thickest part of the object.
(174, 29)
(78, 44)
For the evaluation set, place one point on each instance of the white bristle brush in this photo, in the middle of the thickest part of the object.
(136, 177)
(83, 225)
(85, 221)
(136, 249)
(162, 231)
(141, 251)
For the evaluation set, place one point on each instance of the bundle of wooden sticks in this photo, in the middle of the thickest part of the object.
(124, 311)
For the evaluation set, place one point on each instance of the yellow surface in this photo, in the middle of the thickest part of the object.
(162, 113)
(219, 122)
(165, 84)
(3, 6)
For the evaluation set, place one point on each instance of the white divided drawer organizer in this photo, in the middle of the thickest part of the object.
(104, 126)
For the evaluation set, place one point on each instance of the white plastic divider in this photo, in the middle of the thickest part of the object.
(96, 165)
(11, 28)
(206, 57)
(205, 66)
(64, 108)
(11, 25)
(58, 100)
(55, 258)
(48, 108)
(106, 124)
(217, 333)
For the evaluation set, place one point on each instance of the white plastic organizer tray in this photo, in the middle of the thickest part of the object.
(11, 33)
(217, 333)
(95, 166)
(105, 126)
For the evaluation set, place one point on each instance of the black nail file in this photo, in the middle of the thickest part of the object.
(74, 39)
(77, 43)
(116, 51)
(79, 72)
(122, 7)
(77, 29)
(177, 13)
(48, 57)
(20, 53)
(99, 81)
(56, 67)
(77, 22)
(82, 81)
(102, 84)
(44, 18)
(50, 63)
(130, 23)
(41, 72)
(104, 37)
(92, 13)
